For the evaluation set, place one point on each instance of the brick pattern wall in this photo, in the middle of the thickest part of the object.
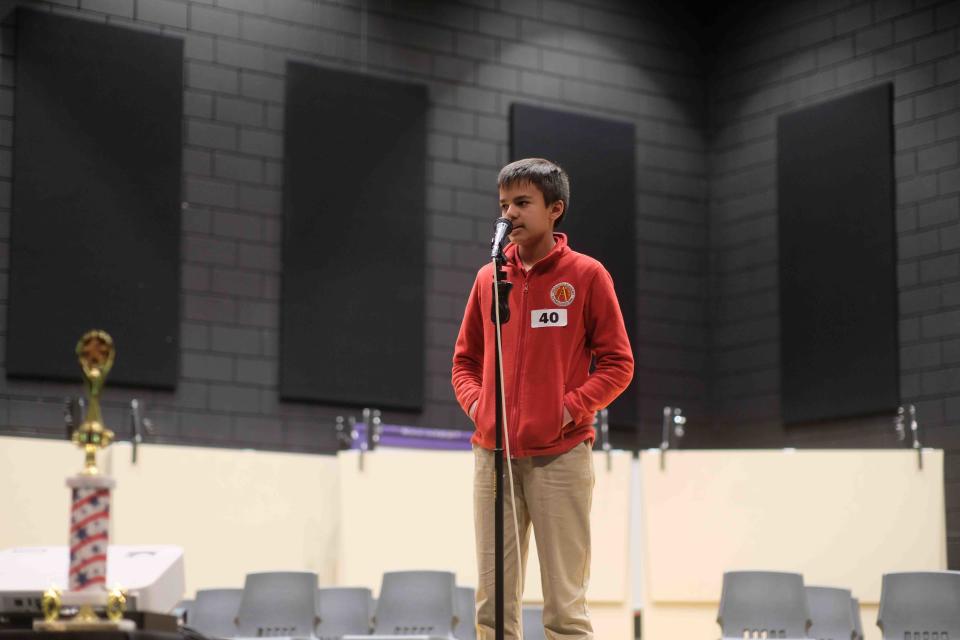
(787, 55)
(706, 194)
(600, 57)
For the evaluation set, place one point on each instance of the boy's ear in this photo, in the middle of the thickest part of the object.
(556, 210)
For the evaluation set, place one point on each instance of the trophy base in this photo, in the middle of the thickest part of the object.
(111, 603)
(144, 621)
(70, 625)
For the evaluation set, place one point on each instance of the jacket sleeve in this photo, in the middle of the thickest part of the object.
(607, 339)
(467, 375)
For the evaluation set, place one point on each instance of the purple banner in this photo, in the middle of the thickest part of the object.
(395, 435)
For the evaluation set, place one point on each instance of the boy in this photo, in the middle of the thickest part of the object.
(563, 313)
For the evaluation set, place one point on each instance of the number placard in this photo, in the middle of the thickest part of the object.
(540, 318)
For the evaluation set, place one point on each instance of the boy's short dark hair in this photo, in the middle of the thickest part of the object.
(548, 177)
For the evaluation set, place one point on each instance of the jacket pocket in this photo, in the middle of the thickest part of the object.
(479, 415)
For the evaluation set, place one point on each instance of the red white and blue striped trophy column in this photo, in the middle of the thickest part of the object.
(90, 507)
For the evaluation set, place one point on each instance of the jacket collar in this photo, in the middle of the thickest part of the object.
(559, 249)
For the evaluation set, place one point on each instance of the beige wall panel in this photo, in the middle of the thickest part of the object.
(406, 509)
(36, 499)
(613, 621)
(414, 509)
(841, 518)
(232, 511)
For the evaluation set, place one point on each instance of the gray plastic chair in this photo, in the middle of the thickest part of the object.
(920, 605)
(414, 604)
(466, 611)
(278, 604)
(857, 622)
(533, 624)
(344, 611)
(759, 602)
(830, 613)
(214, 612)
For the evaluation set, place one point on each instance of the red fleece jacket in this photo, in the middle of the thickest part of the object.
(563, 312)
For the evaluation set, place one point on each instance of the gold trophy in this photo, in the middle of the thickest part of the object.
(89, 512)
(96, 354)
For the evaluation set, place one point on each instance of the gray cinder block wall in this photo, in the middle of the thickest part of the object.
(705, 108)
(614, 59)
(782, 56)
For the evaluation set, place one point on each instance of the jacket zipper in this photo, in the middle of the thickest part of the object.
(514, 420)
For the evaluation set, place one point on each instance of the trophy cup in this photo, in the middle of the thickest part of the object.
(89, 512)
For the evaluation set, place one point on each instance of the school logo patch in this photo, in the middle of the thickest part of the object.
(563, 294)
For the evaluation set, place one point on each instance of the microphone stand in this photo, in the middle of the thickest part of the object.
(501, 292)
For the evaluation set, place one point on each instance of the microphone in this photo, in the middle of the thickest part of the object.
(501, 229)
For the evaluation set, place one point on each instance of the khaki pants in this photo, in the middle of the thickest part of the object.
(554, 495)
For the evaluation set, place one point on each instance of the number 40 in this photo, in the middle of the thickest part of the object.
(548, 318)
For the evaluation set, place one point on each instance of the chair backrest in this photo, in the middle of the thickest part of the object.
(831, 616)
(533, 623)
(281, 603)
(763, 602)
(466, 612)
(857, 622)
(344, 611)
(214, 612)
(920, 605)
(416, 603)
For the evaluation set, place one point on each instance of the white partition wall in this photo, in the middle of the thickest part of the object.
(237, 511)
(841, 518)
(36, 500)
(232, 511)
(414, 509)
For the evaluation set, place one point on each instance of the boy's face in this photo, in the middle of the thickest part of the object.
(522, 203)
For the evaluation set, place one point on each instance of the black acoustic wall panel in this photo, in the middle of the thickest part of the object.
(838, 285)
(352, 311)
(598, 155)
(95, 239)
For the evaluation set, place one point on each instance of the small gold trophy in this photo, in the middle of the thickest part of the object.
(89, 511)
